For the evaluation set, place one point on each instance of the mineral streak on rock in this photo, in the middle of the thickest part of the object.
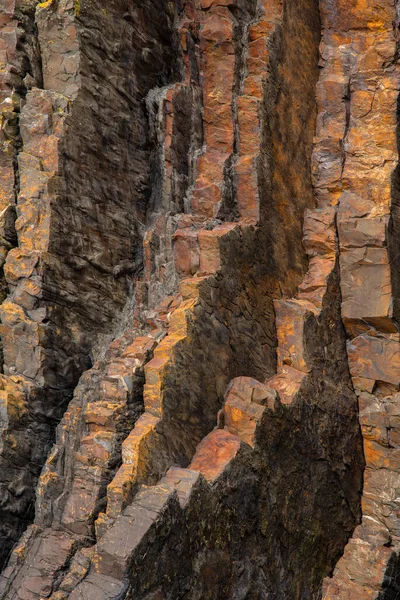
(199, 319)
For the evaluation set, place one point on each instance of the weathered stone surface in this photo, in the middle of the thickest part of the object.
(183, 480)
(77, 227)
(355, 156)
(216, 513)
(375, 357)
(215, 453)
(51, 550)
(161, 230)
(114, 551)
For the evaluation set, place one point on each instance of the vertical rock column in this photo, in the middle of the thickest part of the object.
(19, 69)
(32, 124)
(26, 317)
(248, 106)
(233, 40)
(23, 315)
(218, 68)
(9, 106)
(355, 156)
(175, 115)
(79, 199)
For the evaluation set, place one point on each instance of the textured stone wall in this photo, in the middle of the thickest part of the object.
(199, 239)
(80, 200)
(360, 66)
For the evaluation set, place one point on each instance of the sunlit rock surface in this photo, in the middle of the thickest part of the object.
(199, 285)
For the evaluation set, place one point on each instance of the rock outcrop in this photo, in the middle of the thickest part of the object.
(199, 238)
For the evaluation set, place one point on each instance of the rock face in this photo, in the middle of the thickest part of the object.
(199, 245)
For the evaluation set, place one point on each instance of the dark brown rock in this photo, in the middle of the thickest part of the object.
(199, 287)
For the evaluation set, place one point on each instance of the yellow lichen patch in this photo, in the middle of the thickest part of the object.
(189, 287)
(135, 457)
(178, 319)
(46, 479)
(16, 406)
(20, 552)
(12, 441)
(119, 490)
(377, 25)
(45, 4)
(12, 313)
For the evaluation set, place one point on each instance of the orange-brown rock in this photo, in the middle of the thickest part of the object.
(215, 453)
(199, 300)
(358, 142)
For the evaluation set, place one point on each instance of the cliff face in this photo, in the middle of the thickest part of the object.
(199, 243)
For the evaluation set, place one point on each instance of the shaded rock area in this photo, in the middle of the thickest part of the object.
(72, 230)
(199, 284)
